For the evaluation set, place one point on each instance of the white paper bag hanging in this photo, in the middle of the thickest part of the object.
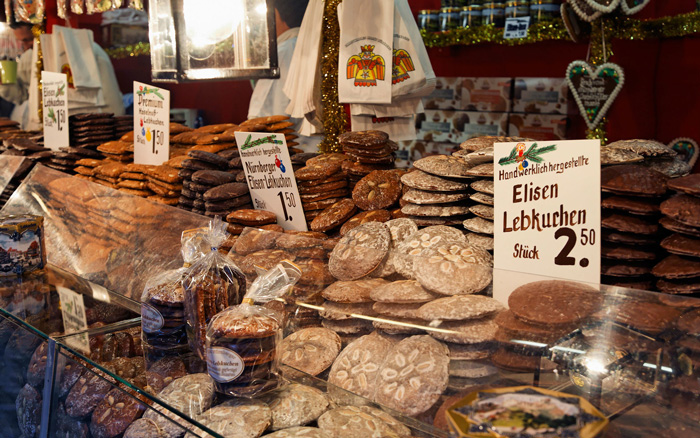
(398, 128)
(78, 45)
(412, 74)
(399, 108)
(365, 56)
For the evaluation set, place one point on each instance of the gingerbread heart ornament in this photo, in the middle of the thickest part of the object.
(584, 10)
(604, 6)
(687, 149)
(630, 7)
(594, 88)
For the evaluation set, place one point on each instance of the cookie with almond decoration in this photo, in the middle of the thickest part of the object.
(334, 215)
(360, 251)
(378, 190)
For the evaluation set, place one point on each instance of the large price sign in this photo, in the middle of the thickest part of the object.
(270, 177)
(546, 212)
(55, 109)
(151, 124)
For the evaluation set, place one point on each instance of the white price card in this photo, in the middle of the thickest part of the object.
(151, 124)
(74, 318)
(516, 27)
(270, 177)
(55, 109)
(546, 212)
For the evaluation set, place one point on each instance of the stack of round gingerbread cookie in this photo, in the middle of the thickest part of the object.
(539, 314)
(368, 151)
(679, 273)
(438, 191)
(321, 183)
(648, 153)
(631, 197)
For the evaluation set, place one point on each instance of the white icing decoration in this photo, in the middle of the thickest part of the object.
(633, 10)
(581, 13)
(606, 9)
(594, 73)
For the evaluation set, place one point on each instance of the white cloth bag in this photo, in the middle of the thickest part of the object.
(365, 56)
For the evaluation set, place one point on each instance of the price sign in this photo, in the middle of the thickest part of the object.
(74, 318)
(546, 212)
(270, 177)
(55, 109)
(516, 27)
(151, 124)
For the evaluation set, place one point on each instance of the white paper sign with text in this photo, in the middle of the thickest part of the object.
(151, 124)
(270, 177)
(55, 109)
(74, 318)
(546, 212)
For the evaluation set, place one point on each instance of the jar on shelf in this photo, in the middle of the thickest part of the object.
(429, 19)
(471, 14)
(494, 12)
(542, 10)
(517, 8)
(449, 18)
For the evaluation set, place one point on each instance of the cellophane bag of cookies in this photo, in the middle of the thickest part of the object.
(212, 284)
(242, 340)
(163, 327)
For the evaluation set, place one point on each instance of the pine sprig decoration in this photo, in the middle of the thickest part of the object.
(532, 154)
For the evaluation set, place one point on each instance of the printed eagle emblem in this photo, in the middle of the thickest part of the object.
(402, 65)
(366, 68)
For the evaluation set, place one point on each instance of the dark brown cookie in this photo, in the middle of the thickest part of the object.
(28, 408)
(334, 215)
(213, 177)
(629, 224)
(624, 269)
(633, 179)
(631, 205)
(311, 197)
(353, 168)
(388, 159)
(690, 323)
(554, 302)
(252, 217)
(630, 253)
(228, 205)
(681, 245)
(629, 238)
(317, 171)
(114, 414)
(673, 225)
(378, 190)
(683, 208)
(646, 316)
(226, 191)
(208, 157)
(321, 188)
(688, 184)
(254, 240)
(363, 218)
(675, 267)
(364, 139)
(86, 394)
(691, 286)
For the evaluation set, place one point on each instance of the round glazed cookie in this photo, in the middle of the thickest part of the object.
(459, 307)
(252, 217)
(483, 211)
(435, 210)
(397, 310)
(236, 416)
(342, 311)
(363, 218)
(378, 190)
(418, 244)
(554, 302)
(297, 405)
(484, 241)
(645, 148)
(114, 414)
(688, 184)
(479, 225)
(618, 156)
(352, 422)
(356, 368)
(425, 181)
(367, 139)
(402, 292)
(683, 208)
(482, 170)
(422, 197)
(475, 331)
(311, 350)
(689, 322)
(400, 326)
(631, 179)
(631, 205)
(471, 369)
(443, 165)
(353, 326)
(360, 251)
(629, 224)
(357, 291)
(414, 375)
(681, 245)
(299, 432)
(334, 215)
(145, 428)
(191, 394)
(455, 269)
(678, 227)
(674, 267)
(648, 317)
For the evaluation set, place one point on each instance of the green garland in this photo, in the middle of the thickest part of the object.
(622, 27)
(138, 49)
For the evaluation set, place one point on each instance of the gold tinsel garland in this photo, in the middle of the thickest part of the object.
(334, 117)
(131, 50)
(37, 31)
(622, 27)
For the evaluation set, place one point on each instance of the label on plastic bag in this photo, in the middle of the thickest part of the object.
(151, 319)
(224, 365)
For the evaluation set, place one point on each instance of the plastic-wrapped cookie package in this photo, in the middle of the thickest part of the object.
(242, 341)
(211, 284)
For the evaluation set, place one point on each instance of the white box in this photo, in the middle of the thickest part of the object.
(541, 95)
(538, 126)
(459, 126)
